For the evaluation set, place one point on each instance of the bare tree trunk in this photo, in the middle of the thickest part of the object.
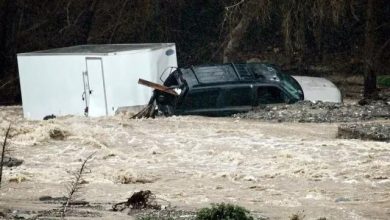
(236, 36)
(370, 88)
(251, 10)
(118, 20)
(87, 20)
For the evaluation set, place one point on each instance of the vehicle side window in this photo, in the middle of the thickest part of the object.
(237, 97)
(270, 95)
(202, 99)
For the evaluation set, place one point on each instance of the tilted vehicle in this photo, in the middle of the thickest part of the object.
(218, 90)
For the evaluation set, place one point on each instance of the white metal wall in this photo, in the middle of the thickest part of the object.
(51, 85)
(125, 69)
(162, 60)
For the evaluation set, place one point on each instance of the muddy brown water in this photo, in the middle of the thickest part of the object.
(276, 169)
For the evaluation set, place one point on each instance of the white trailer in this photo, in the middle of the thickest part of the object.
(92, 80)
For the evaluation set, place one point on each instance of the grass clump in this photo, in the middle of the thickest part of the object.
(223, 211)
(298, 216)
(154, 218)
(384, 80)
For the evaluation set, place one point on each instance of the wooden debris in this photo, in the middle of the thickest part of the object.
(139, 200)
(157, 86)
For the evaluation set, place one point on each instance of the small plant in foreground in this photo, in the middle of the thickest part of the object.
(384, 81)
(223, 212)
(154, 218)
(3, 149)
(298, 216)
(75, 185)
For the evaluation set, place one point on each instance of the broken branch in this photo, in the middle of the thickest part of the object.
(3, 153)
(157, 86)
(75, 185)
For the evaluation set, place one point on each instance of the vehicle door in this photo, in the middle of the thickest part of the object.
(236, 98)
(201, 101)
(270, 94)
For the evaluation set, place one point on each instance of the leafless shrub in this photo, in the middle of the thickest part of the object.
(3, 153)
(75, 186)
(298, 216)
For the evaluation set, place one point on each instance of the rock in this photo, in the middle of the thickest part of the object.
(18, 214)
(4, 213)
(342, 199)
(24, 216)
(319, 112)
(45, 198)
(11, 162)
(58, 134)
(365, 131)
(49, 199)
(48, 117)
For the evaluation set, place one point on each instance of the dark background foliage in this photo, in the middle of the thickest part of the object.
(308, 37)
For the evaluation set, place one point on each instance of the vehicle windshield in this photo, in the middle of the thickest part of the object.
(291, 85)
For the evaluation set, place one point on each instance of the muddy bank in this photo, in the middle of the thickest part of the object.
(320, 112)
(367, 131)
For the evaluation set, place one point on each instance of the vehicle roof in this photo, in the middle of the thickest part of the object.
(98, 49)
(230, 73)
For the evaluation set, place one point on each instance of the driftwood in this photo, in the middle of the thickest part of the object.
(139, 200)
(147, 112)
(150, 110)
(157, 86)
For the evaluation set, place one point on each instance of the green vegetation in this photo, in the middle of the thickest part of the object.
(154, 218)
(223, 211)
(384, 80)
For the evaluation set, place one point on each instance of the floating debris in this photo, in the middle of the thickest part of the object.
(139, 200)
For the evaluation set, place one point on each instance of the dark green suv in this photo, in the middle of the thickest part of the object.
(218, 90)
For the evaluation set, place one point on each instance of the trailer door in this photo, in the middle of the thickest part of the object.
(96, 93)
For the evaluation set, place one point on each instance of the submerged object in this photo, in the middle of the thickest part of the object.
(225, 89)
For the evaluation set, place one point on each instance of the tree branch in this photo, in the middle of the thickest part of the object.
(381, 49)
(3, 152)
(75, 185)
(118, 21)
(234, 5)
